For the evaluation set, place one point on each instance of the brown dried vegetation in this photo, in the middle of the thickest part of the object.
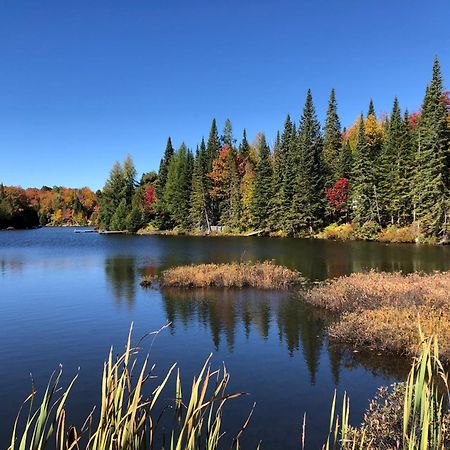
(380, 311)
(265, 275)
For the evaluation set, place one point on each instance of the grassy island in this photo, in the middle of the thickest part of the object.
(264, 275)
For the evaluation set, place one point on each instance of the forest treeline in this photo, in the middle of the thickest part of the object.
(27, 208)
(384, 171)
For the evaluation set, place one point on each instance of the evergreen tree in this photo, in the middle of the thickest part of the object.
(164, 166)
(198, 216)
(244, 147)
(227, 138)
(308, 201)
(371, 110)
(395, 170)
(119, 218)
(212, 152)
(262, 192)
(432, 175)
(288, 173)
(276, 204)
(345, 161)
(129, 175)
(332, 142)
(362, 184)
(177, 191)
(111, 196)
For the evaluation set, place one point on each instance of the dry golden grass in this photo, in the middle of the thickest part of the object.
(380, 311)
(373, 290)
(393, 330)
(265, 275)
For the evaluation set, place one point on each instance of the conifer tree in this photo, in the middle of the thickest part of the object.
(307, 212)
(164, 166)
(288, 173)
(371, 110)
(332, 142)
(227, 138)
(198, 216)
(432, 175)
(345, 161)
(111, 196)
(262, 192)
(276, 204)
(362, 183)
(177, 191)
(244, 147)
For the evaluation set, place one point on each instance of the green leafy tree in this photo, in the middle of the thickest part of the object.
(164, 166)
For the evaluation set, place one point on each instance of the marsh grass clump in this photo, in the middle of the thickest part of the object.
(264, 275)
(379, 311)
(372, 290)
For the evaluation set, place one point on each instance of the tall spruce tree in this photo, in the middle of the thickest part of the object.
(363, 198)
(227, 137)
(262, 192)
(276, 204)
(288, 170)
(177, 192)
(332, 142)
(212, 152)
(164, 166)
(198, 216)
(244, 147)
(307, 213)
(431, 194)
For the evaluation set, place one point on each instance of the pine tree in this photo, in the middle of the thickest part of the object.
(288, 169)
(244, 147)
(119, 218)
(432, 175)
(164, 166)
(111, 196)
(262, 192)
(177, 192)
(332, 142)
(307, 211)
(198, 216)
(212, 152)
(363, 201)
(276, 204)
(371, 110)
(345, 161)
(129, 175)
(227, 138)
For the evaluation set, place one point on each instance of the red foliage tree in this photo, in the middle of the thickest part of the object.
(337, 195)
(149, 198)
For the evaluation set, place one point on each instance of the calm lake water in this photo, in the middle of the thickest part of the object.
(66, 298)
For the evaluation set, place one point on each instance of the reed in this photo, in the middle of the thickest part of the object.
(264, 275)
(418, 422)
(128, 418)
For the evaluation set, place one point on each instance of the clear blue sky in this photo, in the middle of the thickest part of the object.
(82, 83)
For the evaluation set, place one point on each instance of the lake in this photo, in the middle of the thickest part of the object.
(65, 298)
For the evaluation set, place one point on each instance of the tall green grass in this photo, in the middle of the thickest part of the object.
(128, 419)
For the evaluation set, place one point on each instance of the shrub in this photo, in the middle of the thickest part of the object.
(342, 232)
(367, 231)
(398, 234)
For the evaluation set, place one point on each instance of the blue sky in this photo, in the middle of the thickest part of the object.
(83, 83)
